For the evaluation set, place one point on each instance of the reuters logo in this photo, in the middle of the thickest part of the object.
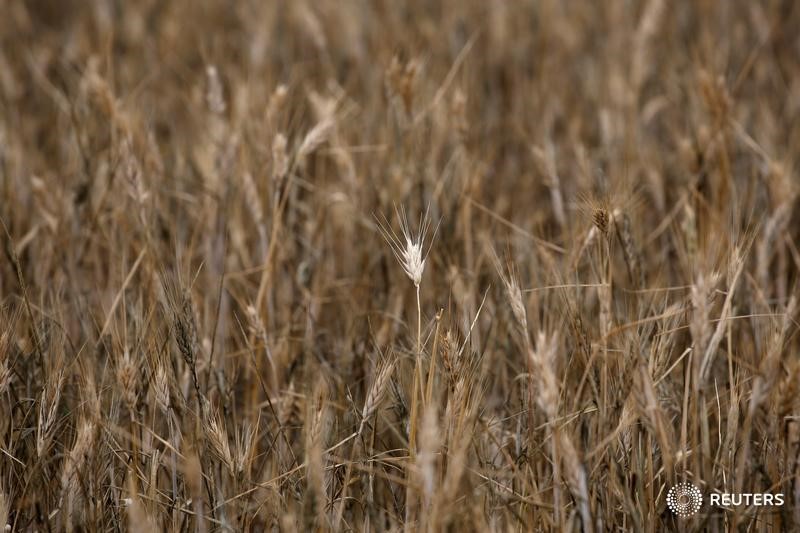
(684, 499)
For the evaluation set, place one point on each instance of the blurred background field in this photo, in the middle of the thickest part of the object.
(203, 326)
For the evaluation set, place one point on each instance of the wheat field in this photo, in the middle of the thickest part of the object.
(459, 265)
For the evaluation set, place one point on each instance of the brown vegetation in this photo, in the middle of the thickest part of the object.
(463, 265)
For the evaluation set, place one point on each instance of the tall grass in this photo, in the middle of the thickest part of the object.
(421, 266)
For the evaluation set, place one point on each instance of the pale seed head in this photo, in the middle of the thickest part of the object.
(408, 245)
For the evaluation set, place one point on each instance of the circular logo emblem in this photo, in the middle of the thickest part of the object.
(684, 499)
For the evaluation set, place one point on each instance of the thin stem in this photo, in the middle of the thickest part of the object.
(419, 326)
(419, 349)
(412, 434)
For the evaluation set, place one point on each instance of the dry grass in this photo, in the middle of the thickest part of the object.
(594, 206)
